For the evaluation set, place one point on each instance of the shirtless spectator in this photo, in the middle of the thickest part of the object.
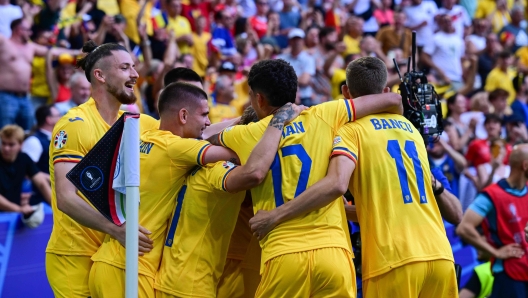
(16, 56)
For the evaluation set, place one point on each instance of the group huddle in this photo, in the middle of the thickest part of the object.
(282, 165)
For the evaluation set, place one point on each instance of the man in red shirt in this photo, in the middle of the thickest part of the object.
(195, 9)
(259, 22)
(479, 151)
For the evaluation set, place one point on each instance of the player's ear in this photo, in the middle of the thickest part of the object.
(183, 114)
(346, 92)
(98, 75)
(261, 101)
(386, 90)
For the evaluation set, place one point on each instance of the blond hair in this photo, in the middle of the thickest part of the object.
(12, 131)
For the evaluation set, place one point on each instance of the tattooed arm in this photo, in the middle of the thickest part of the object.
(253, 172)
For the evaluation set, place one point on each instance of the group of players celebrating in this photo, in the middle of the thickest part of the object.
(289, 163)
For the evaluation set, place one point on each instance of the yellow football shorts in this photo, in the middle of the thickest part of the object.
(231, 283)
(68, 275)
(324, 272)
(418, 279)
(109, 281)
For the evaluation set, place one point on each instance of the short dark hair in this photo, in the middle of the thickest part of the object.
(179, 74)
(180, 95)
(42, 113)
(366, 75)
(505, 54)
(275, 79)
(16, 23)
(518, 81)
(95, 53)
(492, 118)
(325, 31)
(497, 93)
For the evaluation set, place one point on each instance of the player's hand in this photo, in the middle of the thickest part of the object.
(145, 243)
(512, 250)
(288, 112)
(262, 223)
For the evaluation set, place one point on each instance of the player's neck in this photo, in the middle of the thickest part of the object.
(107, 105)
(168, 126)
(517, 179)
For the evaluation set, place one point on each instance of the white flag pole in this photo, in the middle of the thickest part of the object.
(131, 152)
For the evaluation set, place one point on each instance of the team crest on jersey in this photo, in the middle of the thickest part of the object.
(60, 139)
(337, 140)
(228, 165)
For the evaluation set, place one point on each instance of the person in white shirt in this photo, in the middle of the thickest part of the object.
(80, 93)
(458, 14)
(444, 54)
(8, 13)
(420, 18)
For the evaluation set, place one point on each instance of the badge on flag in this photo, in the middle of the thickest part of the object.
(100, 176)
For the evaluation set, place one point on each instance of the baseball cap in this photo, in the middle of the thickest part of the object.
(36, 218)
(227, 66)
(296, 32)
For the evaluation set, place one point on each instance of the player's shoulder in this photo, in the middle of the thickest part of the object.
(78, 116)
(148, 122)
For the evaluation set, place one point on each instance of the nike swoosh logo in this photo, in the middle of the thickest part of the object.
(75, 119)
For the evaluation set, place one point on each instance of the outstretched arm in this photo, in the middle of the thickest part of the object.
(257, 166)
(376, 103)
(322, 193)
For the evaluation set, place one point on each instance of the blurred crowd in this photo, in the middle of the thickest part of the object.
(474, 52)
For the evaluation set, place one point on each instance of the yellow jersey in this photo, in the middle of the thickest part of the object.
(181, 26)
(241, 237)
(301, 161)
(165, 161)
(199, 52)
(504, 80)
(198, 238)
(337, 78)
(219, 112)
(391, 185)
(74, 135)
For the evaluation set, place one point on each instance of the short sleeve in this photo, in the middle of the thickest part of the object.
(188, 152)
(243, 138)
(69, 142)
(346, 143)
(337, 112)
(482, 205)
(219, 173)
(146, 122)
(31, 168)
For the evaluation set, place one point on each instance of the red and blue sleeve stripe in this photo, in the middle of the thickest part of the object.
(67, 158)
(351, 110)
(346, 152)
(224, 179)
(201, 154)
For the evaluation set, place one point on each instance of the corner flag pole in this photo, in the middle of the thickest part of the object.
(131, 152)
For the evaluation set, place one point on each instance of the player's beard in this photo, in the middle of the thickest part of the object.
(122, 96)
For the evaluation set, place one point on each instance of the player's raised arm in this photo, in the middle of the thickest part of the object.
(376, 103)
(257, 166)
(77, 208)
(322, 193)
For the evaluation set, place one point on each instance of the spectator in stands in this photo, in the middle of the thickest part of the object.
(9, 13)
(384, 15)
(479, 151)
(496, 169)
(516, 130)
(40, 93)
(201, 38)
(37, 145)
(444, 53)
(353, 34)
(179, 25)
(458, 15)
(502, 76)
(498, 99)
(479, 107)
(519, 106)
(259, 22)
(396, 36)
(80, 93)
(58, 79)
(302, 63)
(16, 54)
(220, 108)
(222, 42)
(476, 41)
(504, 205)
(459, 132)
(14, 167)
(290, 17)
(514, 34)
(197, 9)
(447, 160)
(488, 57)
(420, 18)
